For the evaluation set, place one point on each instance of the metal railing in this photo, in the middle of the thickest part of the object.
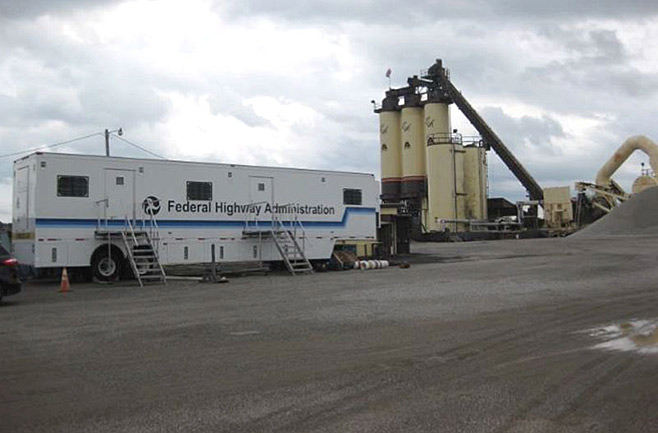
(102, 217)
(294, 225)
(130, 230)
(297, 225)
(152, 228)
(289, 223)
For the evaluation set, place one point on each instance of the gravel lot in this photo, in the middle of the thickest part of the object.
(473, 337)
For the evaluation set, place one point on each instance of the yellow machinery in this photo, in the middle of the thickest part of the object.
(609, 193)
(442, 181)
(558, 211)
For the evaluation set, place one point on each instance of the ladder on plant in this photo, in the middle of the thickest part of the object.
(285, 239)
(142, 254)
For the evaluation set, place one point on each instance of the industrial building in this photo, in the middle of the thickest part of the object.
(435, 175)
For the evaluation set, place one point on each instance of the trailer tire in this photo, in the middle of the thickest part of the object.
(106, 266)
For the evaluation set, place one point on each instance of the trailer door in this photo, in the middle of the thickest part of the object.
(260, 189)
(22, 203)
(120, 193)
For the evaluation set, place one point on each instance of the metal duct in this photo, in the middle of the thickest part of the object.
(638, 142)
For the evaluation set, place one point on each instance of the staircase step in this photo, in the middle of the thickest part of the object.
(143, 258)
(151, 277)
(291, 253)
(297, 271)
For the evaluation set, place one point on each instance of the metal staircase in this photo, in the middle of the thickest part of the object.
(141, 244)
(285, 239)
(289, 239)
(142, 256)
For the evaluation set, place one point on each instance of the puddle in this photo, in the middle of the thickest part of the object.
(635, 335)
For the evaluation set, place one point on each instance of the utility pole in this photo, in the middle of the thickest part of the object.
(107, 139)
(107, 142)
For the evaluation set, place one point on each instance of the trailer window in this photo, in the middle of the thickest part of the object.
(72, 186)
(352, 196)
(199, 191)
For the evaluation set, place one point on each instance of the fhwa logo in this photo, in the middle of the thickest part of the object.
(151, 205)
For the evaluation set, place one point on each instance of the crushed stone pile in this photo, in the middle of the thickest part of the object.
(636, 216)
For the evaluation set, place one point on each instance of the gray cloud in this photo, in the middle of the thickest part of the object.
(389, 11)
(532, 133)
(32, 8)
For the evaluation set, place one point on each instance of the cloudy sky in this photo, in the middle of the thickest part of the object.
(289, 83)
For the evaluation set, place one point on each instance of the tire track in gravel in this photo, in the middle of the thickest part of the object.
(473, 356)
(601, 379)
(540, 397)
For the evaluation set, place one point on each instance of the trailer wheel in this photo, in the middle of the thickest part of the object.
(106, 266)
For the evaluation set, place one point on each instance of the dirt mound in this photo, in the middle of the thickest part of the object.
(636, 216)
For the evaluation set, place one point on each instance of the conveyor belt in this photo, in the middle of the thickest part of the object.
(438, 75)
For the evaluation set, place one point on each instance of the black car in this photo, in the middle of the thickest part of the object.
(10, 284)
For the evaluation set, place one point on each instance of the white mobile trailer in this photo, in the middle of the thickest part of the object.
(62, 202)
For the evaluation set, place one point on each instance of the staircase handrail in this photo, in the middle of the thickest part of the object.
(98, 215)
(130, 230)
(252, 217)
(153, 228)
(298, 223)
(154, 233)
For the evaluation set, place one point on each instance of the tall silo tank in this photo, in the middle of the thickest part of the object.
(437, 120)
(391, 154)
(440, 180)
(446, 187)
(414, 172)
(475, 182)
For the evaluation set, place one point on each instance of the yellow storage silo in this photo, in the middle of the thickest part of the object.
(437, 132)
(413, 148)
(391, 153)
(475, 182)
(445, 171)
(437, 121)
(446, 187)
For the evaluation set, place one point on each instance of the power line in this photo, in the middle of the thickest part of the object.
(50, 146)
(139, 147)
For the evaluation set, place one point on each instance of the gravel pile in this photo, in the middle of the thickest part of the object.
(636, 216)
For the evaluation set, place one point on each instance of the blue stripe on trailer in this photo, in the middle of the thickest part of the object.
(93, 223)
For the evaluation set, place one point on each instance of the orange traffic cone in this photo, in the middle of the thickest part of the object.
(64, 285)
